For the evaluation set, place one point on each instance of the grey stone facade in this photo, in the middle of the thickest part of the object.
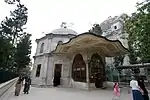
(47, 60)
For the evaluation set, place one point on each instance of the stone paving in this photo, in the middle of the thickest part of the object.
(67, 94)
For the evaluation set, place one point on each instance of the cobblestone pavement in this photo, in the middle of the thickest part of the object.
(68, 94)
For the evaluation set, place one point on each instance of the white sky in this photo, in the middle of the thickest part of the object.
(46, 15)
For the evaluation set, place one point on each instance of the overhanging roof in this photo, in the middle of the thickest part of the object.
(91, 42)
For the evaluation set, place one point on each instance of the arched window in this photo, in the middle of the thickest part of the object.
(115, 27)
(38, 70)
(42, 48)
(96, 68)
(79, 69)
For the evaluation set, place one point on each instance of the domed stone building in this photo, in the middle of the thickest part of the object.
(65, 58)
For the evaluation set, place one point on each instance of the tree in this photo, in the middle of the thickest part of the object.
(143, 23)
(118, 60)
(11, 1)
(5, 53)
(19, 18)
(23, 51)
(138, 28)
(16, 48)
(96, 29)
(6, 48)
(13, 27)
(132, 39)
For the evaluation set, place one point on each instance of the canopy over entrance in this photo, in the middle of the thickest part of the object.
(91, 42)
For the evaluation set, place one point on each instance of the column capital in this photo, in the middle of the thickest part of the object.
(86, 61)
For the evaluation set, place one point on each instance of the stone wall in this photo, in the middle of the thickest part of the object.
(5, 89)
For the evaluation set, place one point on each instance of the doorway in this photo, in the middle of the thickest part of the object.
(57, 74)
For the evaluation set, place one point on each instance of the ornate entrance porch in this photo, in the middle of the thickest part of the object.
(87, 52)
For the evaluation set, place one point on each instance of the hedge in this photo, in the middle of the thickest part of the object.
(6, 76)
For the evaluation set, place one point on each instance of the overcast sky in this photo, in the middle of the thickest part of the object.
(46, 15)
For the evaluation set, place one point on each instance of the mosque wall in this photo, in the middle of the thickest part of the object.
(35, 79)
(65, 70)
(50, 44)
(45, 47)
(54, 41)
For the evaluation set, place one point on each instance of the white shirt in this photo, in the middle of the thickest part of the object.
(134, 85)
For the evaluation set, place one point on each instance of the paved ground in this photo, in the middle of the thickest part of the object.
(67, 94)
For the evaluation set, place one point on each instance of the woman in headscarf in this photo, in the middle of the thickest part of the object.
(144, 90)
(137, 95)
(18, 86)
(27, 85)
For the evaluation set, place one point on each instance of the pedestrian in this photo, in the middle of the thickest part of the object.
(136, 90)
(116, 92)
(143, 88)
(56, 80)
(27, 85)
(18, 86)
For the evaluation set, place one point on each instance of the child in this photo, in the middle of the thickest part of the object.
(116, 92)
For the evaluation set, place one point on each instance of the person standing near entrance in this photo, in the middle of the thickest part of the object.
(136, 93)
(98, 81)
(142, 86)
(56, 80)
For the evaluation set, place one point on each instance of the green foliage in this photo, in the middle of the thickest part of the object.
(19, 17)
(13, 27)
(138, 28)
(5, 52)
(11, 1)
(15, 43)
(23, 51)
(96, 29)
(118, 60)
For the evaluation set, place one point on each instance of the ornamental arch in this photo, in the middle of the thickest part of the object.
(96, 68)
(79, 68)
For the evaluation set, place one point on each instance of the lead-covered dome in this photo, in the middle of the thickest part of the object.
(64, 31)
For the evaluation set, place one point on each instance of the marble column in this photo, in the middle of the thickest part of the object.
(87, 75)
(86, 59)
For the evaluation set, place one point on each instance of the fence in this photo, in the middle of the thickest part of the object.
(125, 79)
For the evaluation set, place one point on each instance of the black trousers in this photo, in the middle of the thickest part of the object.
(146, 97)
